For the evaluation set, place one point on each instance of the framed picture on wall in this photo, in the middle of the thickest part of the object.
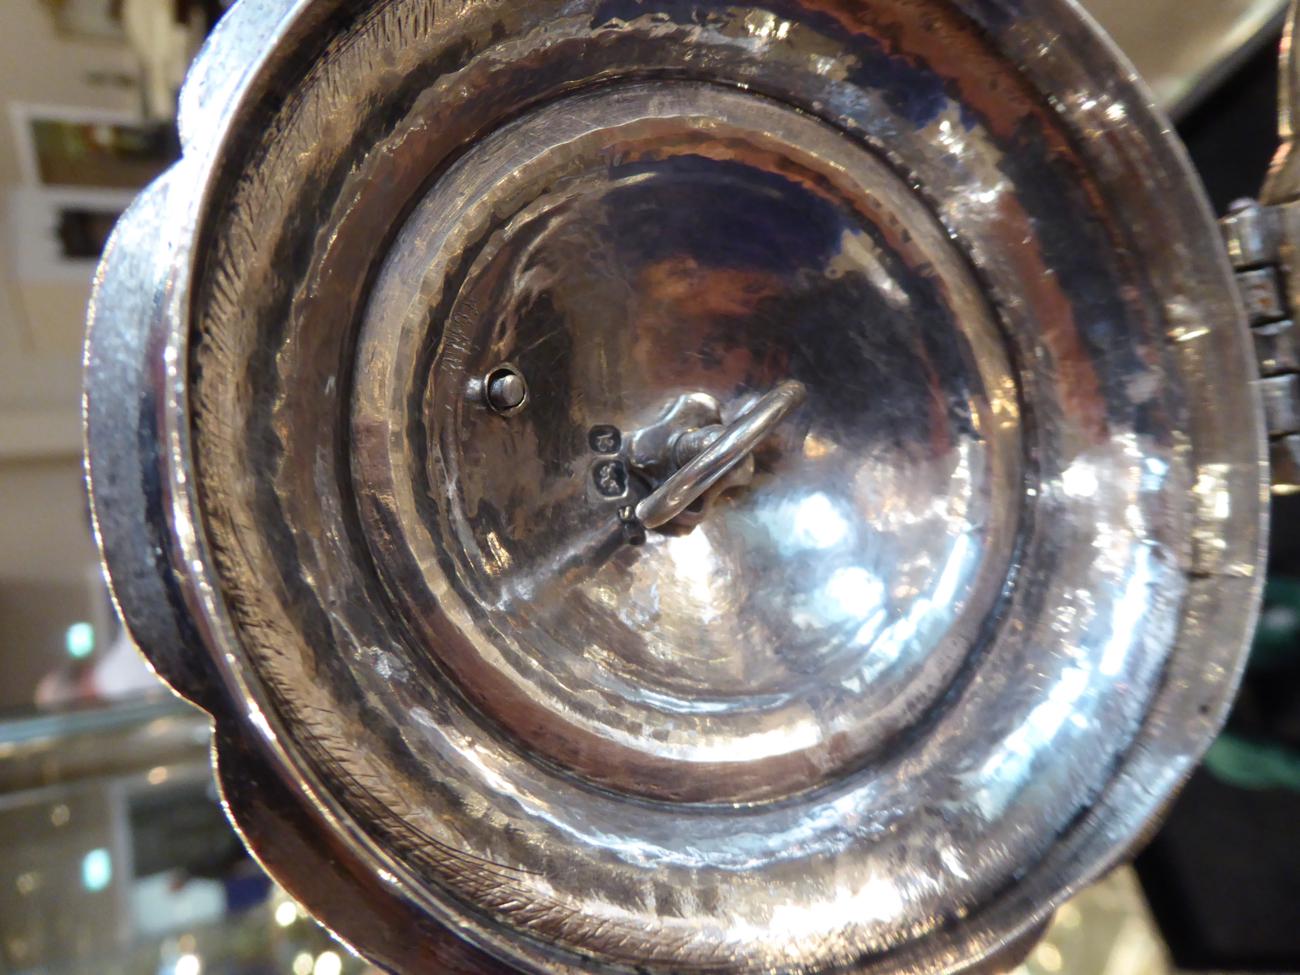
(75, 147)
(104, 19)
(59, 234)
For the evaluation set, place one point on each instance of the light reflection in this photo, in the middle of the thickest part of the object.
(988, 198)
(1213, 494)
(1079, 480)
(501, 560)
(1129, 610)
(1048, 957)
(96, 869)
(1003, 774)
(765, 26)
(926, 616)
(79, 640)
(1155, 468)
(951, 859)
(948, 136)
(696, 565)
(878, 898)
(945, 590)
(888, 623)
(817, 523)
(851, 593)
(258, 721)
(869, 631)
(815, 447)
(1006, 771)
(859, 253)
(1190, 333)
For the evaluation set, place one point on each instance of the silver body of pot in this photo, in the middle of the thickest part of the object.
(656, 486)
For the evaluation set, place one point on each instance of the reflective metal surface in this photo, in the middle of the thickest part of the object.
(805, 622)
(116, 859)
(937, 664)
(1262, 238)
(1261, 241)
(709, 455)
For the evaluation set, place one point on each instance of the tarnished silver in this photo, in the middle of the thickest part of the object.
(1262, 292)
(705, 456)
(1276, 348)
(980, 608)
(1281, 404)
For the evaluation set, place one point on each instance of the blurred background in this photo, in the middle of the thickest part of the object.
(115, 855)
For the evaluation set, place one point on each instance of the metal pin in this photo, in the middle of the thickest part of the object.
(505, 390)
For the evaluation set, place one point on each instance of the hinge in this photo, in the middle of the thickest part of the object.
(1261, 242)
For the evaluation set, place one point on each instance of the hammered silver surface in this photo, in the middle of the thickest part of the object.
(937, 664)
(808, 619)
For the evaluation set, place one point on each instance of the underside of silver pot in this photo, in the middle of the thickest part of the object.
(663, 486)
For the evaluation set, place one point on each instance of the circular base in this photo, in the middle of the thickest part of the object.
(938, 662)
(624, 247)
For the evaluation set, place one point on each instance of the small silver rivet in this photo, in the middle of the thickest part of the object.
(506, 389)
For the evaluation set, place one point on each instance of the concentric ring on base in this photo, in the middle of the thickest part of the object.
(1137, 529)
(621, 248)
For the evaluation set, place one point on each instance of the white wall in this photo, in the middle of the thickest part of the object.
(40, 325)
(45, 545)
